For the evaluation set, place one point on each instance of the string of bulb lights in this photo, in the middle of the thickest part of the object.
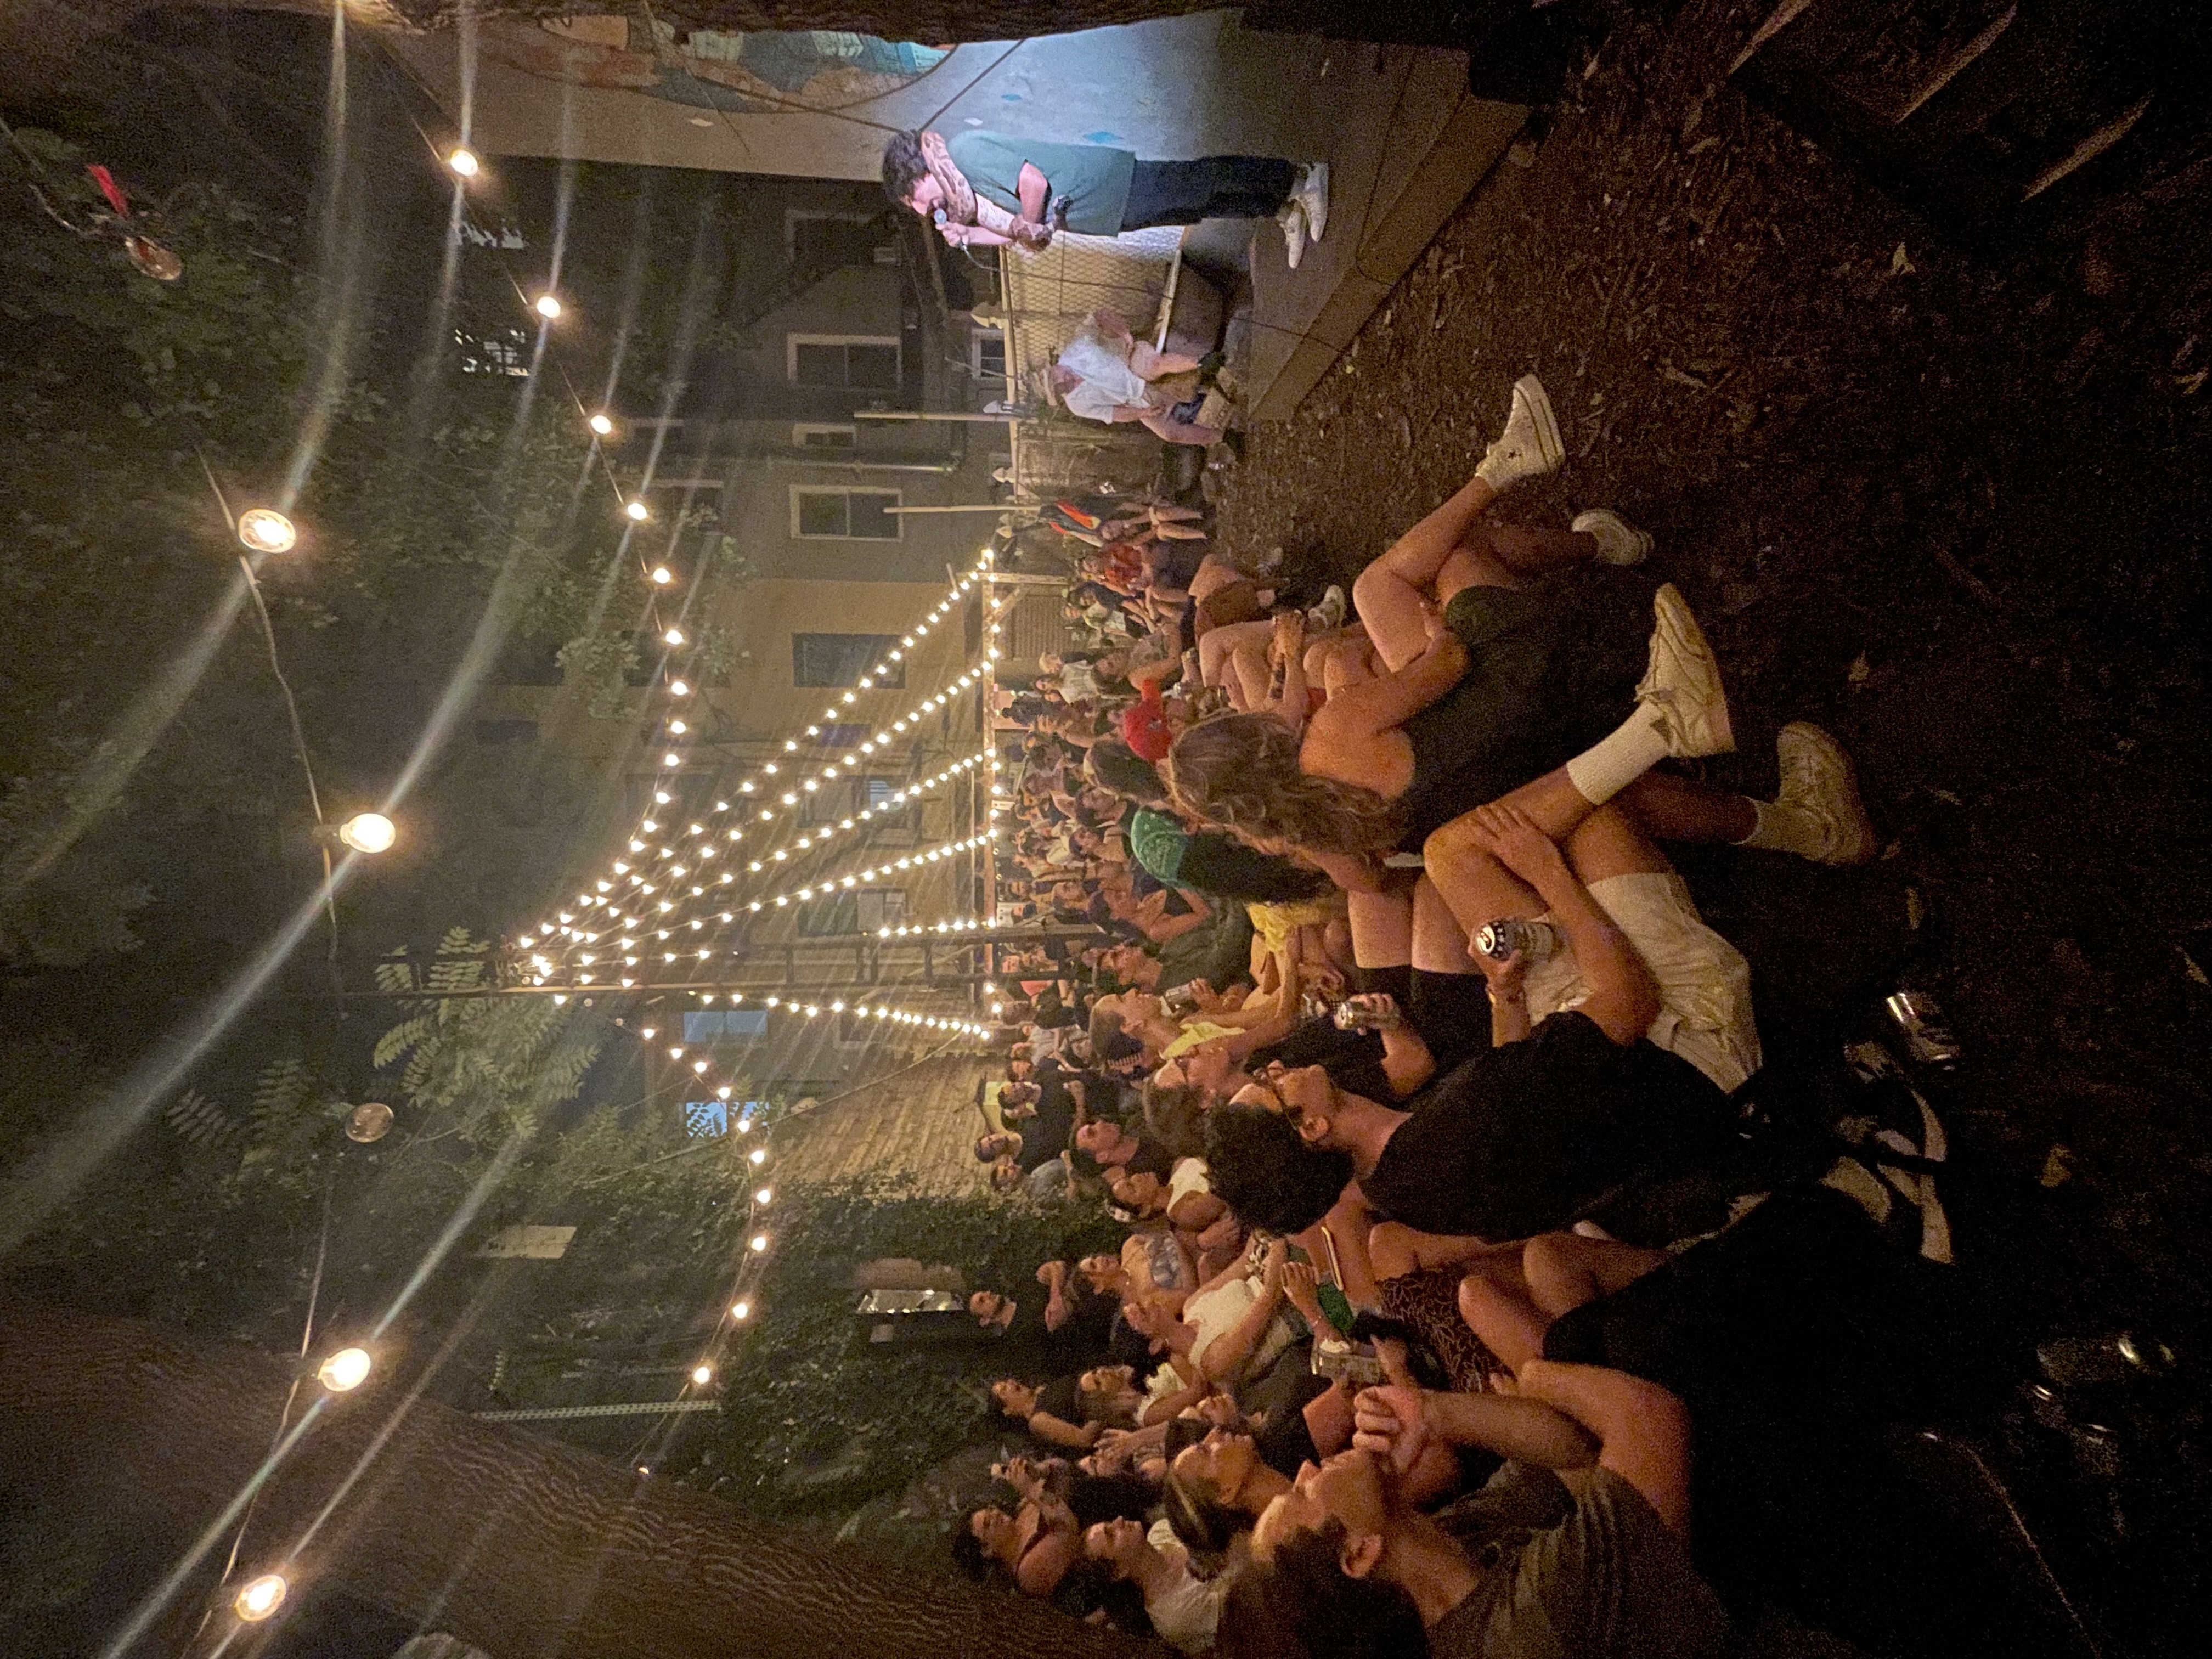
(264, 529)
(639, 843)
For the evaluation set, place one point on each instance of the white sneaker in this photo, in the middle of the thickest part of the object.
(1530, 447)
(1618, 542)
(1329, 613)
(1311, 193)
(1291, 216)
(1820, 786)
(1683, 683)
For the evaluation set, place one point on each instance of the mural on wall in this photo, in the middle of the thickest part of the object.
(757, 72)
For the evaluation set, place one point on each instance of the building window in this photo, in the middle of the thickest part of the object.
(881, 907)
(907, 816)
(713, 1024)
(498, 352)
(831, 660)
(827, 804)
(843, 515)
(863, 912)
(986, 354)
(823, 434)
(868, 362)
(843, 737)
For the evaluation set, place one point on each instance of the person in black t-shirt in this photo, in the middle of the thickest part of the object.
(1524, 1137)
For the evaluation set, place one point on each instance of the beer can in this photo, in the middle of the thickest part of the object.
(1499, 939)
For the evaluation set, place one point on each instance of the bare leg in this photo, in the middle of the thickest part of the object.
(1218, 645)
(1391, 593)
(1171, 430)
(1666, 807)
(1599, 842)
(1439, 942)
(1565, 1270)
(1506, 1321)
(1382, 929)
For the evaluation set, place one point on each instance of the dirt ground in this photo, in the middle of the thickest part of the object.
(1951, 511)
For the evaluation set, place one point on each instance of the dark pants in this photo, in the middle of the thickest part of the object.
(1211, 187)
(1222, 868)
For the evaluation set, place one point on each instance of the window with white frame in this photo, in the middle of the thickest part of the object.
(864, 362)
(843, 515)
(823, 434)
(986, 354)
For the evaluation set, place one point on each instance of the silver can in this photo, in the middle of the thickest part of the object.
(1499, 939)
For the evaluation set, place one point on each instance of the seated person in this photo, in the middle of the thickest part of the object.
(1600, 1073)
(1522, 673)
(1182, 1607)
(1344, 1565)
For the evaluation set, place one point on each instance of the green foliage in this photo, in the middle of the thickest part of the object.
(805, 1386)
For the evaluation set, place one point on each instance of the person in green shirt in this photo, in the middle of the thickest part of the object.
(986, 189)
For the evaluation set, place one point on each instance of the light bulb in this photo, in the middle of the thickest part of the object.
(546, 307)
(463, 161)
(673, 636)
(703, 1375)
(639, 512)
(678, 689)
(260, 1597)
(662, 576)
(264, 529)
(741, 1310)
(758, 1155)
(344, 1370)
(368, 832)
(765, 1195)
(602, 424)
(760, 1242)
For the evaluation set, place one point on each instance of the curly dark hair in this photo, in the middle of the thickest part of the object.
(968, 1552)
(1301, 1604)
(1241, 772)
(903, 165)
(1269, 1177)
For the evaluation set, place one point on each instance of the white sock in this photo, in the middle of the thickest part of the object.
(1782, 829)
(1611, 764)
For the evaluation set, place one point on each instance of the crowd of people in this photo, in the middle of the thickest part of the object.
(1462, 1205)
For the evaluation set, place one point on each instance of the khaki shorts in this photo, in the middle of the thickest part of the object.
(1705, 983)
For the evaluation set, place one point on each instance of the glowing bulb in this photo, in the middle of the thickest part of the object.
(346, 1370)
(760, 1242)
(758, 1155)
(765, 1195)
(679, 729)
(602, 424)
(463, 161)
(264, 529)
(741, 1310)
(546, 307)
(662, 576)
(703, 1375)
(261, 1597)
(639, 512)
(673, 636)
(368, 832)
(678, 689)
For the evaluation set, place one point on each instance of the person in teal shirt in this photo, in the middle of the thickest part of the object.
(988, 189)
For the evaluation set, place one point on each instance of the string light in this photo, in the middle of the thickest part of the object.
(260, 1597)
(368, 832)
(463, 161)
(264, 529)
(638, 512)
(703, 1375)
(603, 424)
(741, 1311)
(662, 576)
(344, 1370)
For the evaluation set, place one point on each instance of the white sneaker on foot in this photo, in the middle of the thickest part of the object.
(1618, 542)
(1530, 447)
(1819, 787)
(1291, 216)
(1683, 683)
(1311, 193)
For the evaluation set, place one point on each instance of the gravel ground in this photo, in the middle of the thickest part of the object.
(1950, 510)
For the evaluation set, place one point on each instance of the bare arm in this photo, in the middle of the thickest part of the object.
(1361, 712)
(1406, 1061)
(1624, 997)
(1396, 1420)
(1034, 190)
(1643, 1432)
